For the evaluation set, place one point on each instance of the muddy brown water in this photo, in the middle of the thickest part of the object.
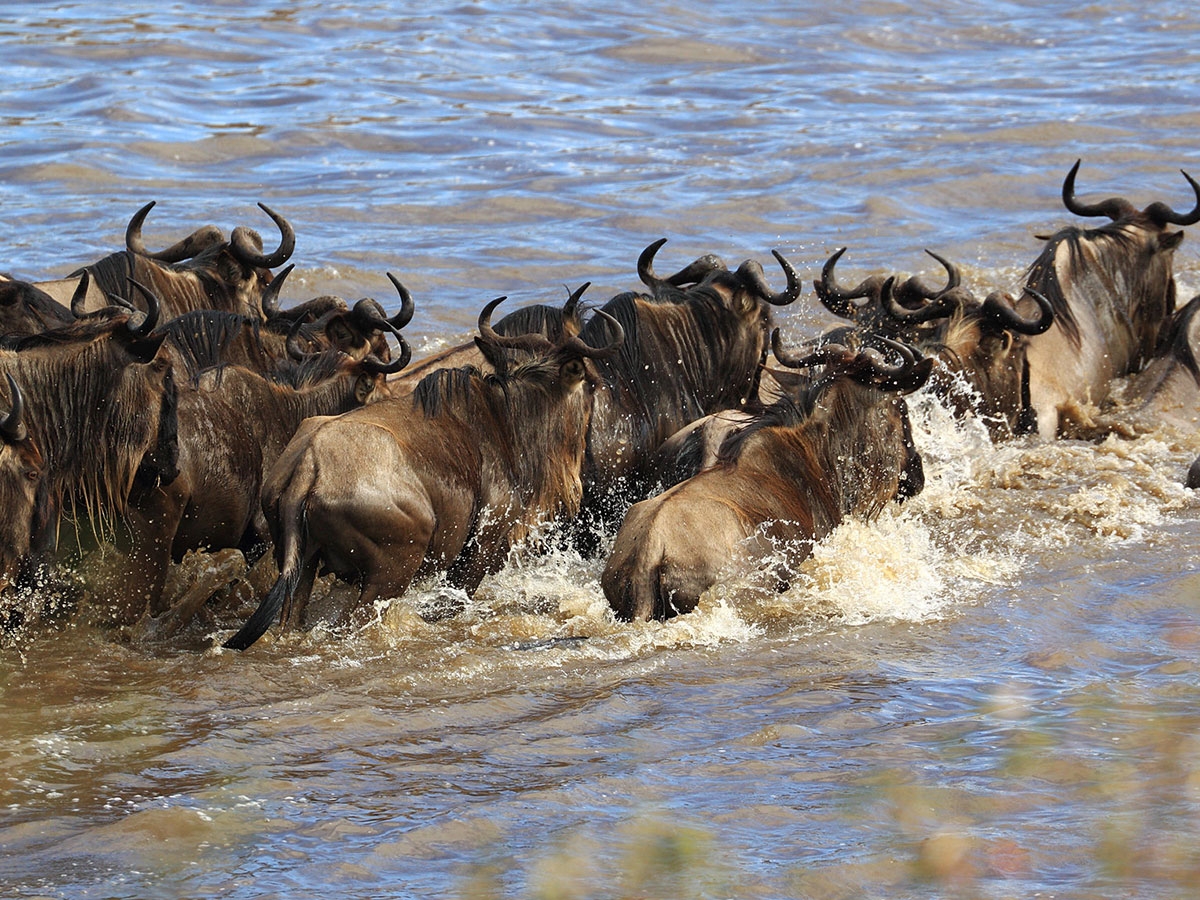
(990, 692)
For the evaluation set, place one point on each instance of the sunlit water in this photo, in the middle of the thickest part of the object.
(989, 692)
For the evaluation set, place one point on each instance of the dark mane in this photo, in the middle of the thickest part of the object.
(202, 338)
(1042, 275)
(786, 412)
(111, 274)
(445, 391)
(93, 439)
(96, 325)
(699, 339)
(313, 369)
(1176, 343)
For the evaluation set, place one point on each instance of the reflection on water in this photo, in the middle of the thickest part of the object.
(991, 691)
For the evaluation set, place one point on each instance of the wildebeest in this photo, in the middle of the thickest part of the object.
(207, 339)
(233, 425)
(843, 448)
(863, 304)
(448, 479)
(99, 404)
(203, 271)
(1163, 396)
(21, 466)
(697, 350)
(1112, 291)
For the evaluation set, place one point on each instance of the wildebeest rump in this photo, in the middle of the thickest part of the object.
(844, 448)
(448, 479)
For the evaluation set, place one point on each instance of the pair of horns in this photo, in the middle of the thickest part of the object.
(241, 242)
(749, 272)
(367, 314)
(864, 366)
(12, 425)
(539, 343)
(1118, 207)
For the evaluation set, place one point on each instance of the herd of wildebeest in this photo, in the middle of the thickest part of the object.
(159, 402)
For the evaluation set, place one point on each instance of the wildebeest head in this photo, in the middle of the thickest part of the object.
(356, 331)
(1129, 258)
(863, 304)
(21, 470)
(855, 410)
(981, 349)
(202, 271)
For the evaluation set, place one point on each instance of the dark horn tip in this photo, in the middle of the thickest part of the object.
(407, 306)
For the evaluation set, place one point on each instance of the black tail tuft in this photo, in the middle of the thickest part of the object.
(257, 625)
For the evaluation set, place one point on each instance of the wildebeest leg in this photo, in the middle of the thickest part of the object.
(144, 542)
(390, 569)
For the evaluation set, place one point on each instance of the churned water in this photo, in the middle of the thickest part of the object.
(991, 691)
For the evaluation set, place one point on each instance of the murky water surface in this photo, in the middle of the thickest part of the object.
(991, 692)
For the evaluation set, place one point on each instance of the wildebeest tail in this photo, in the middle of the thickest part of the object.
(268, 611)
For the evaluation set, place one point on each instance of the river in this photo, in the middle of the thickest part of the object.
(992, 691)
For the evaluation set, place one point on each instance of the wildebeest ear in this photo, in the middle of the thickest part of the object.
(364, 387)
(145, 350)
(494, 355)
(1169, 240)
(572, 371)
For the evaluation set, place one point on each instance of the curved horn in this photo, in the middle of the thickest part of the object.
(1161, 214)
(915, 287)
(373, 365)
(12, 426)
(370, 313)
(196, 242)
(1003, 316)
(752, 272)
(645, 265)
(133, 231)
(912, 372)
(573, 344)
(1114, 207)
(270, 294)
(80, 296)
(570, 310)
(407, 307)
(532, 342)
(153, 310)
(697, 270)
(941, 307)
(834, 298)
(247, 254)
(823, 355)
(292, 342)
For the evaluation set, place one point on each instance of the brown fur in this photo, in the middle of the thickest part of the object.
(233, 425)
(21, 477)
(687, 353)
(1113, 292)
(791, 476)
(447, 479)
